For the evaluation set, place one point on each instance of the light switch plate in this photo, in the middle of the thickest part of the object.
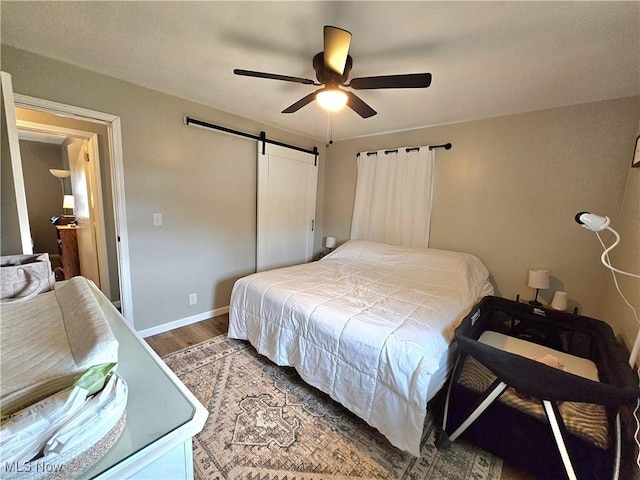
(157, 219)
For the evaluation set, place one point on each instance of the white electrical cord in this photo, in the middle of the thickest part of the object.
(635, 434)
(607, 263)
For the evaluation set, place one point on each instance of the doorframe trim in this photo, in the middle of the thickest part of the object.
(112, 122)
(100, 245)
(9, 112)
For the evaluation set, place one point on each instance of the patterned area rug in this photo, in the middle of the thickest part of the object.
(265, 423)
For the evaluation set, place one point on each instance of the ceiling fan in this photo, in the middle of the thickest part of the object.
(332, 68)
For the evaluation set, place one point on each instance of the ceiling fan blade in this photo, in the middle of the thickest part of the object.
(356, 104)
(411, 80)
(300, 103)
(273, 76)
(336, 48)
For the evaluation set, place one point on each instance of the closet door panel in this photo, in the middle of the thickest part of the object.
(287, 182)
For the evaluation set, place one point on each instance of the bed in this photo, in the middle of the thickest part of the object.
(369, 324)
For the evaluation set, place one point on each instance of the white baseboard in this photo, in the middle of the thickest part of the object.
(165, 327)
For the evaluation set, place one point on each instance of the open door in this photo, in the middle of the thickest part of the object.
(77, 151)
(114, 144)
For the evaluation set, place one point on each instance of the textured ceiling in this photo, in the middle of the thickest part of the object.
(486, 58)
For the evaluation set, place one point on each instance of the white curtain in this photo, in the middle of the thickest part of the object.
(394, 196)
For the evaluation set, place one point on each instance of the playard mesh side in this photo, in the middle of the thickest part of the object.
(585, 446)
(572, 334)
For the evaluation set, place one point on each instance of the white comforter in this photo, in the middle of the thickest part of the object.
(368, 324)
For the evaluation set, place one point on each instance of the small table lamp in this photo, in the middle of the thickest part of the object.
(538, 279)
(68, 203)
(330, 243)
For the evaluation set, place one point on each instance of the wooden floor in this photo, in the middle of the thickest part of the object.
(183, 337)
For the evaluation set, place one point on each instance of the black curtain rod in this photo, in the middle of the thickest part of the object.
(446, 146)
(262, 137)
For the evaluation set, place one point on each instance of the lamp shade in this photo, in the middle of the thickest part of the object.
(559, 300)
(60, 173)
(68, 202)
(330, 242)
(539, 279)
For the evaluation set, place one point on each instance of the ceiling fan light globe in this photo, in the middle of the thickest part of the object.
(331, 99)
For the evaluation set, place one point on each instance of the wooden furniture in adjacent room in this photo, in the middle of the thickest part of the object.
(68, 245)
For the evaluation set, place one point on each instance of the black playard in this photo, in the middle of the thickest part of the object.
(560, 380)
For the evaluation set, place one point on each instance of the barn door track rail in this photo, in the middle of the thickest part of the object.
(261, 138)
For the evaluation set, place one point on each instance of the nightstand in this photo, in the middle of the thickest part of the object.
(68, 243)
(323, 253)
(546, 307)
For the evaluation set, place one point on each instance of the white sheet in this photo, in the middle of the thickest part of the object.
(369, 324)
(48, 340)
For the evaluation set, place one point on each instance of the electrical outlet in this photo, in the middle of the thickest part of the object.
(193, 298)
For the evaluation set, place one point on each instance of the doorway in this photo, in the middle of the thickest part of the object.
(68, 192)
(113, 187)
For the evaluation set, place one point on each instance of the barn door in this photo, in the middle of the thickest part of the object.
(287, 182)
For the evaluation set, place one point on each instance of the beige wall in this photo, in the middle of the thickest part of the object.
(626, 257)
(509, 189)
(44, 194)
(203, 182)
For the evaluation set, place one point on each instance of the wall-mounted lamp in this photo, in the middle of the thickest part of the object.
(538, 279)
(593, 222)
(597, 223)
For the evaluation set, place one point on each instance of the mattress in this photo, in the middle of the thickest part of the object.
(370, 325)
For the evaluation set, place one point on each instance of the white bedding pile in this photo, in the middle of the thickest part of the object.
(48, 340)
(370, 325)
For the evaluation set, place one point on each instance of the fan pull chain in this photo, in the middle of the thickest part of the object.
(329, 129)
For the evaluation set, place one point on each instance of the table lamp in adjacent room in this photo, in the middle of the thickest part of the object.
(538, 279)
(68, 203)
